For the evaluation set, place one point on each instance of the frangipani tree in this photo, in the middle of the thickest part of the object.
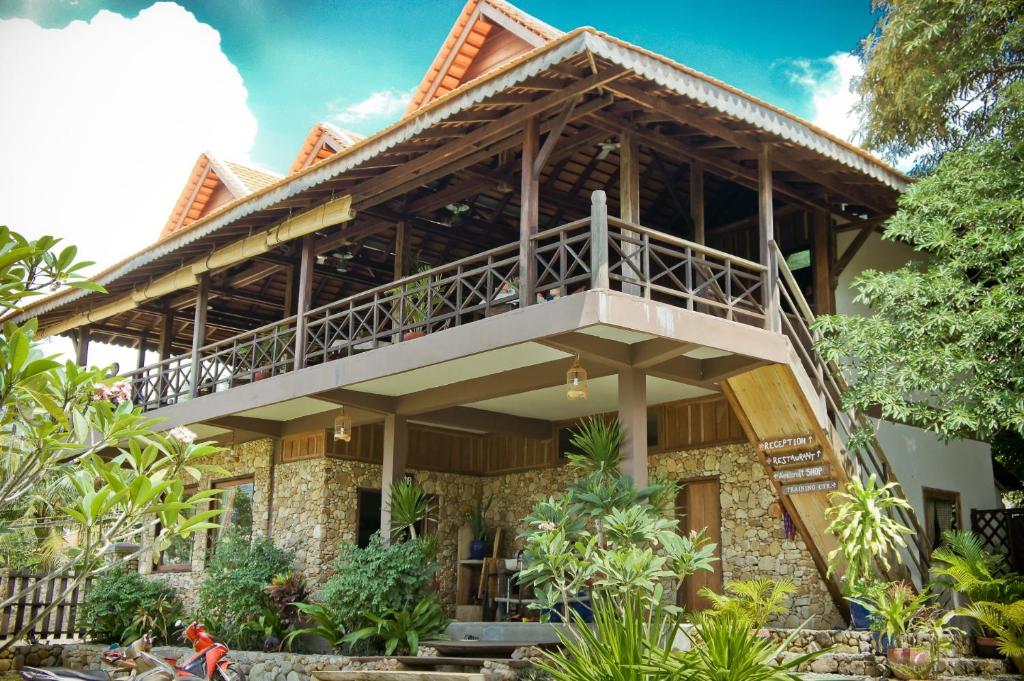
(77, 428)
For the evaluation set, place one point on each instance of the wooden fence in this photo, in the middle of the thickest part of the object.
(1002, 531)
(64, 622)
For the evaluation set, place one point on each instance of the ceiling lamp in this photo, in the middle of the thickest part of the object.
(576, 381)
(342, 426)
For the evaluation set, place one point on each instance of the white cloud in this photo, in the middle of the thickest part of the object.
(102, 121)
(379, 105)
(829, 83)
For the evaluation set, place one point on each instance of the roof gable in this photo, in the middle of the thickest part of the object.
(486, 35)
(212, 184)
(323, 141)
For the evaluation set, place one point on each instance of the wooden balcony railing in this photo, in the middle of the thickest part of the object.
(597, 252)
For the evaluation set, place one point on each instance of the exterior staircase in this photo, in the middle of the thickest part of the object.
(793, 415)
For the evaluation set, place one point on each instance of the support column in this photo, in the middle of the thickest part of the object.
(629, 210)
(140, 358)
(305, 284)
(199, 329)
(824, 293)
(166, 335)
(396, 452)
(633, 417)
(401, 251)
(697, 200)
(529, 212)
(290, 276)
(766, 231)
(81, 343)
(599, 240)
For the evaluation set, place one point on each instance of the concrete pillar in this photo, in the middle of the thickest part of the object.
(633, 417)
(396, 454)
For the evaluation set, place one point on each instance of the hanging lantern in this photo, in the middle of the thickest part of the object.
(576, 381)
(342, 426)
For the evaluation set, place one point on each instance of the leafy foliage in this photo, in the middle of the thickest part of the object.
(323, 623)
(755, 600)
(597, 441)
(477, 518)
(234, 591)
(402, 630)
(943, 347)
(1006, 620)
(283, 592)
(963, 563)
(896, 610)
(410, 506)
(939, 74)
(859, 520)
(122, 606)
(377, 579)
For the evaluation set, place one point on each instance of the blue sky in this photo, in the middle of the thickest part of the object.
(306, 61)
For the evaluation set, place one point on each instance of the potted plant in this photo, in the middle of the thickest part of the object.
(963, 564)
(931, 634)
(867, 535)
(478, 525)
(1006, 621)
(414, 303)
(895, 612)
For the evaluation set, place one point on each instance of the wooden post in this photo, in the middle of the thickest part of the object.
(633, 417)
(199, 330)
(140, 358)
(401, 251)
(305, 299)
(824, 294)
(166, 335)
(697, 200)
(766, 230)
(289, 290)
(396, 451)
(81, 343)
(599, 240)
(629, 209)
(529, 212)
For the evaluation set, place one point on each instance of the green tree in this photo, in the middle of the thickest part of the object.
(69, 427)
(940, 74)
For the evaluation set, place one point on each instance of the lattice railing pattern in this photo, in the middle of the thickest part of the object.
(1002, 531)
(161, 384)
(251, 356)
(427, 302)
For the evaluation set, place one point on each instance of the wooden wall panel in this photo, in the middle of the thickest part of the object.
(692, 424)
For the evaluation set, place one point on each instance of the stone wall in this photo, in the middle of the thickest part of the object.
(30, 655)
(753, 543)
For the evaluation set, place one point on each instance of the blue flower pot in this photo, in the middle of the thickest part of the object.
(477, 549)
(860, 618)
(581, 608)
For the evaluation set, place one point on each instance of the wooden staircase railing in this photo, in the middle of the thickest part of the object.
(796, 317)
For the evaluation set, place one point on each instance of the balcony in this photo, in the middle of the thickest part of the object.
(596, 252)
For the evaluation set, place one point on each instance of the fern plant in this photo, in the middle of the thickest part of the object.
(860, 520)
(1006, 621)
(756, 601)
(963, 563)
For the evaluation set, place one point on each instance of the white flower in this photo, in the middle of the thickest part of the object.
(547, 526)
(182, 435)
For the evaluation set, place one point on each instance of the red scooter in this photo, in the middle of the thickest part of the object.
(209, 661)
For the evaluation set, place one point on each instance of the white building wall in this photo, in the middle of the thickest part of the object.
(919, 459)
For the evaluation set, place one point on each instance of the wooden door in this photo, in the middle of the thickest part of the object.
(699, 507)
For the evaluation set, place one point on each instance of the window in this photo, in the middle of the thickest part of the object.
(177, 557)
(941, 513)
(236, 521)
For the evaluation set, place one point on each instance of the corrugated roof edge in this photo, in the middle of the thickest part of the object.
(531, 63)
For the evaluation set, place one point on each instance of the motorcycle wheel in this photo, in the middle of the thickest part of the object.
(229, 674)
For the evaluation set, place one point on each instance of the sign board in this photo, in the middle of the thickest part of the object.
(805, 487)
(787, 443)
(819, 471)
(794, 458)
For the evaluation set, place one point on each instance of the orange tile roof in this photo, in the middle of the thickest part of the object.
(467, 36)
(208, 174)
(323, 141)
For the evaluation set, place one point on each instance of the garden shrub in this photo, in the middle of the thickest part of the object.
(234, 591)
(121, 605)
(378, 578)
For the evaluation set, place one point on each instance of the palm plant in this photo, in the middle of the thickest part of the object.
(727, 649)
(963, 563)
(753, 600)
(325, 624)
(409, 505)
(402, 630)
(628, 642)
(861, 521)
(598, 440)
(1006, 621)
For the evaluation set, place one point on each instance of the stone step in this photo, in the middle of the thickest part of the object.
(868, 665)
(395, 675)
